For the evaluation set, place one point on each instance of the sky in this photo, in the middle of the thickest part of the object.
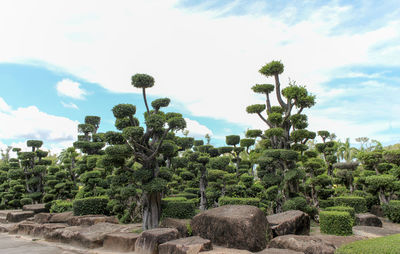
(63, 60)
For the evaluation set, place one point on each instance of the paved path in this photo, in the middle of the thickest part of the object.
(11, 244)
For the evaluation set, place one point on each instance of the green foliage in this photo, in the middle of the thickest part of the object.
(177, 207)
(350, 210)
(238, 201)
(392, 210)
(272, 68)
(142, 81)
(159, 103)
(335, 223)
(326, 203)
(60, 206)
(34, 143)
(381, 245)
(263, 88)
(297, 203)
(26, 201)
(255, 109)
(358, 203)
(253, 133)
(91, 205)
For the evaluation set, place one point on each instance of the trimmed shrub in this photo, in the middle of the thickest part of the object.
(358, 203)
(60, 206)
(187, 195)
(326, 203)
(91, 205)
(297, 203)
(350, 210)
(26, 201)
(381, 245)
(392, 210)
(177, 207)
(335, 223)
(238, 201)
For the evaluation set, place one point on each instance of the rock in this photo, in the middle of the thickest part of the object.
(4, 213)
(61, 217)
(5, 228)
(180, 224)
(377, 210)
(36, 208)
(188, 245)
(222, 250)
(291, 222)
(149, 240)
(3, 219)
(123, 242)
(367, 219)
(89, 220)
(372, 232)
(24, 228)
(233, 226)
(88, 237)
(278, 251)
(19, 216)
(302, 243)
(42, 218)
(340, 240)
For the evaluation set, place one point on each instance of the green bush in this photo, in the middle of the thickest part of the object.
(238, 201)
(392, 210)
(177, 207)
(91, 205)
(326, 203)
(26, 201)
(187, 195)
(381, 245)
(358, 203)
(60, 206)
(297, 203)
(335, 223)
(350, 210)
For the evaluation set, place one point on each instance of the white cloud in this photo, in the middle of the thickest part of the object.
(196, 129)
(69, 105)
(4, 106)
(69, 88)
(31, 123)
(205, 61)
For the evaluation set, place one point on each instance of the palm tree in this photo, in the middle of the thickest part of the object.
(346, 152)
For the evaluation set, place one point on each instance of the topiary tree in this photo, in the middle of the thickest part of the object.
(328, 149)
(145, 146)
(90, 142)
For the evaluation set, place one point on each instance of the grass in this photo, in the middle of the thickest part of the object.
(380, 245)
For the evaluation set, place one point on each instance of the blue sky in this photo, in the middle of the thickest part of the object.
(61, 61)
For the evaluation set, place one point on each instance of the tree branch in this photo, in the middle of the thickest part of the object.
(265, 120)
(268, 104)
(145, 100)
(159, 144)
(278, 92)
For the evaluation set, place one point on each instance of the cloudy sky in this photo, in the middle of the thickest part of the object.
(63, 60)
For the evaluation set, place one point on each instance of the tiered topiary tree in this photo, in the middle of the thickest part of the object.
(146, 146)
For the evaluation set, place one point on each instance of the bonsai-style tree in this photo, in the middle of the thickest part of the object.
(327, 148)
(146, 145)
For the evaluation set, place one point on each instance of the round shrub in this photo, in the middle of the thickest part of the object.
(90, 205)
(60, 206)
(358, 203)
(177, 207)
(238, 201)
(335, 223)
(350, 210)
(297, 203)
(26, 201)
(392, 210)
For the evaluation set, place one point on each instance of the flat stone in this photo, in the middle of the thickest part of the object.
(61, 217)
(90, 220)
(302, 243)
(188, 245)
(19, 216)
(368, 219)
(88, 237)
(278, 251)
(42, 217)
(24, 228)
(6, 227)
(123, 242)
(5, 212)
(372, 232)
(233, 226)
(36, 208)
(340, 240)
(290, 222)
(223, 250)
(180, 224)
(149, 240)
(3, 219)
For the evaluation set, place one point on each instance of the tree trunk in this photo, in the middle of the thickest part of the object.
(151, 210)
(203, 198)
(382, 197)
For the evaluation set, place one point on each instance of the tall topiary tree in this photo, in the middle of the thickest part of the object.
(145, 145)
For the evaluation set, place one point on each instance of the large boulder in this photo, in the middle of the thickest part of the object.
(36, 208)
(302, 243)
(19, 216)
(188, 245)
(368, 219)
(278, 251)
(149, 240)
(233, 226)
(61, 217)
(290, 222)
(180, 224)
(123, 241)
(42, 217)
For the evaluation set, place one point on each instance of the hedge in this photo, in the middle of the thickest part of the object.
(381, 245)
(90, 205)
(326, 203)
(335, 223)
(358, 203)
(60, 206)
(350, 210)
(177, 207)
(238, 201)
(392, 210)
